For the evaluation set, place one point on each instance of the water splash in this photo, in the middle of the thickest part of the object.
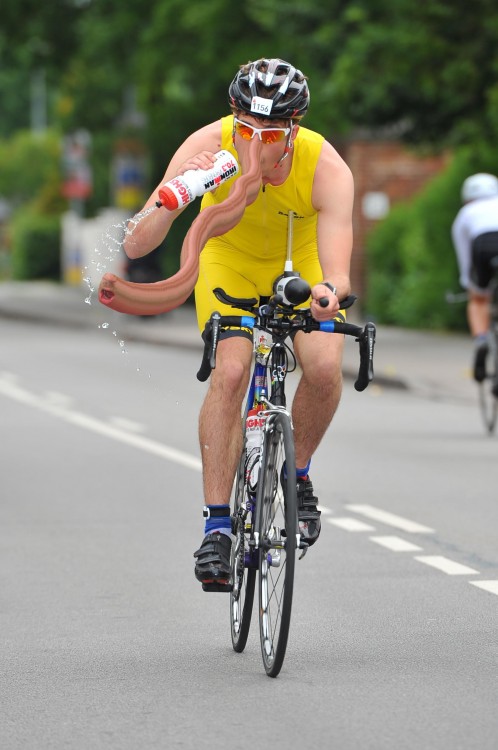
(104, 256)
(109, 248)
(132, 223)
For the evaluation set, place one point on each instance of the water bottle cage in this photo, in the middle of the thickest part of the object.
(252, 469)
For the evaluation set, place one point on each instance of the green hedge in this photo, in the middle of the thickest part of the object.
(35, 246)
(411, 261)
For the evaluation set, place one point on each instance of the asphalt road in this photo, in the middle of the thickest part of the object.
(107, 640)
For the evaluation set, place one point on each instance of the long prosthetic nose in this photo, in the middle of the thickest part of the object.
(134, 298)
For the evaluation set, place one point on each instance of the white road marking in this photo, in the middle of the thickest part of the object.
(126, 424)
(12, 390)
(390, 519)
(61, 399)
(491, 586)
(10, 376)
(350, 524)
(395, 543)
(447, 566)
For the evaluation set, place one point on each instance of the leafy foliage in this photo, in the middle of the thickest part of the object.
(31, 170)
(429, 69)
(35, 246)
(411, 259)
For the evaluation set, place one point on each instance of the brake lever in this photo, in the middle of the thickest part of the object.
(210, 337)
(367, 343)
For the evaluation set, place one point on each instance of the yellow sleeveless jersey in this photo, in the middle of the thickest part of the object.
(262, 231)
(246, 260)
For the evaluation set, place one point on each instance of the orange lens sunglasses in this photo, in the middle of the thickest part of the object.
(267, 135)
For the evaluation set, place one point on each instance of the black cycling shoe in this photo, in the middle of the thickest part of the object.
(480, 361)
(212, 567)
(307, 511)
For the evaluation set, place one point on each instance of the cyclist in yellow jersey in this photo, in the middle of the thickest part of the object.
(303, 173)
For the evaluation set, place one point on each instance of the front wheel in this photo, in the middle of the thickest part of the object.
(243, 562)
(277, 526)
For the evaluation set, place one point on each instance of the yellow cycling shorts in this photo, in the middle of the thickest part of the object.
(240, 275)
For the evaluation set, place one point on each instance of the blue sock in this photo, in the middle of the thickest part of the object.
(218, 523)
(300, 473)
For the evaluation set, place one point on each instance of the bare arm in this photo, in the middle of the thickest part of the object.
(196, 152)
(333, 195)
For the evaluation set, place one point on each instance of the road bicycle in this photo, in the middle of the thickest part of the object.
(264, 507)
(488, 388)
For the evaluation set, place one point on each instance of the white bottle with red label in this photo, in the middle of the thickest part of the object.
(195, 182)
(254, 438)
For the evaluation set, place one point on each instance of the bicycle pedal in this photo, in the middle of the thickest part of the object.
(213, 586)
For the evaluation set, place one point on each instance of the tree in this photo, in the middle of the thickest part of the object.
(429, 69)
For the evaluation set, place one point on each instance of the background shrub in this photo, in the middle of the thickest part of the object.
(411, 261)
(35, 246)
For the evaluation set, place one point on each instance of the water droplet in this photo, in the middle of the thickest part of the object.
(88, 300)
(105, 325)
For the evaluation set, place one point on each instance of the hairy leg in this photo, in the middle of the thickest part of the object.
(478, 313)
(319, 391)
(220, 431)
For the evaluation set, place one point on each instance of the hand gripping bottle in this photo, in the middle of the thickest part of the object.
(195, 182)
(254, 437)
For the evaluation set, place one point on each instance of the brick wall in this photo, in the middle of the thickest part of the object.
(384, 173)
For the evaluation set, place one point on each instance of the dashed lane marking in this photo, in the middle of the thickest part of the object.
(491, 586)
(447, 566)
(350, 524)
(395, 543)
(390, 519)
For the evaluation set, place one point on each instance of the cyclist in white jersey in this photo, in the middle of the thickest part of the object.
(475, 238)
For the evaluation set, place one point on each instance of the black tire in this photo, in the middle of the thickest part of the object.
(488, 391)
(277, 526)
(243, 565)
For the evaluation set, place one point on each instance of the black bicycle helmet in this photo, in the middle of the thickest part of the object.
(270, 80)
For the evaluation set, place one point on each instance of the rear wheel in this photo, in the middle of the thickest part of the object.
(277, 526)
(488, 390)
